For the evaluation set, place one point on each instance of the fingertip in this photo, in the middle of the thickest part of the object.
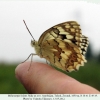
(30, 75)
(24, 70)
(20, 70)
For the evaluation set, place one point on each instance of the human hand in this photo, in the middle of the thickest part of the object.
(43, 79)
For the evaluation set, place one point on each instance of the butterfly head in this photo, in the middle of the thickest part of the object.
(34, 43)
(36, 46)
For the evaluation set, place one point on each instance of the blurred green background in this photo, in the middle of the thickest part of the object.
(8, 82)
(89, 74)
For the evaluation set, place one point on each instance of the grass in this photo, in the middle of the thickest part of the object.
(8, 82)
(89, 74)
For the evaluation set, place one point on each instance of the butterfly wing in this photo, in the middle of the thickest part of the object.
(62, 55)
(64, 46)
(69, 32)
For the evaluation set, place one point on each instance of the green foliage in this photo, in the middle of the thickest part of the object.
(98, 58)
(8, 82)
(89, 53)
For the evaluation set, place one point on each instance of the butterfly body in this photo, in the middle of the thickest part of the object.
(63, 45)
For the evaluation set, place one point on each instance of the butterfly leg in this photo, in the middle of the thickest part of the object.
(31, 55)
(47, 62)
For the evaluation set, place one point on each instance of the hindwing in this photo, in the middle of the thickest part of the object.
(62, 55)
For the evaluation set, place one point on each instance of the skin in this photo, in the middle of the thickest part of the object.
(42, 79)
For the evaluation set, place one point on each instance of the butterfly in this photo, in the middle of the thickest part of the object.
(63, 45)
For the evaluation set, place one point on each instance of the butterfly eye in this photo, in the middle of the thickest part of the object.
(32, 43)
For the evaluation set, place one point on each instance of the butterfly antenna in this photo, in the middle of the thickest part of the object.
(28, 30)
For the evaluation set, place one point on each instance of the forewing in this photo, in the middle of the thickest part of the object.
(69, 32)
(62, 55)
